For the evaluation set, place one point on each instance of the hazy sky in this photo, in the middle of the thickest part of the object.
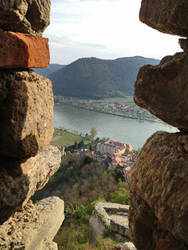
(105, 29)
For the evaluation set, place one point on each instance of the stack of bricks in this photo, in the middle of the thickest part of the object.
(27, 161)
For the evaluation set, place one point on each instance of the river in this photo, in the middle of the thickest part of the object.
(130, 131)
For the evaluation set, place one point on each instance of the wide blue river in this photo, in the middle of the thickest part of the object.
(125, 130)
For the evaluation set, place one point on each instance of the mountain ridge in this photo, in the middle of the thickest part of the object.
(98, 78)
(49, 70)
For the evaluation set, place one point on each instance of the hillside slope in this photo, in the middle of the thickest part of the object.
(49, 70)
(96, 78)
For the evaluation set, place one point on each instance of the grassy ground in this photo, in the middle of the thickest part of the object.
(62, 137)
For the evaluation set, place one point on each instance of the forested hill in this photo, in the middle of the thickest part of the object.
(49, 70)
(97, 78)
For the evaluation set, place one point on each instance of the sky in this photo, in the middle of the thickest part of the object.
(106, 29)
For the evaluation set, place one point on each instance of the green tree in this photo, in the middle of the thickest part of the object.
(119, 196)
(93, 133)
(81, 144)
(76, 145)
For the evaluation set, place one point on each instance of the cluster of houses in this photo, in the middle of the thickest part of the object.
(121, 154)
(118, 107)
(113, 147)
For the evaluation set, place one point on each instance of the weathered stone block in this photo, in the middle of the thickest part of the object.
(163, 90)
(128, 246)
(19, 180)
(166, 16)
(142, 223)
(25, 16)
(26, 111)
(34, 226)
(164, 245)
(19, 50)
(159, 191)
(184, 44)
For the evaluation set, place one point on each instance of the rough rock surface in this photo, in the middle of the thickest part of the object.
(19, 180)
(159, 191)
(33, 227)
(166, 16)
(163, 89)
(25, 16)
(26, 111)
(164, 245)
(128, 246)
(184, 44)
(19, 50)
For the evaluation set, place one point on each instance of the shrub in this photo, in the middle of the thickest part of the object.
(119, 196)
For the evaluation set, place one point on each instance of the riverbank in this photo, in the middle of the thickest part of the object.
(125, 130)
(111, 113)
(122, 107)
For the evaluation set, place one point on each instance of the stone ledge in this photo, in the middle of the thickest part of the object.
(104, 210)
(109, 215)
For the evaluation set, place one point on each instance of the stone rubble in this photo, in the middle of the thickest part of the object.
(158, 214)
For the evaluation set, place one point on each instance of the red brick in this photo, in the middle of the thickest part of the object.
(19, 50)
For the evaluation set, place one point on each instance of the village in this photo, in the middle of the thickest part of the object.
(113, 106)
(120, 156)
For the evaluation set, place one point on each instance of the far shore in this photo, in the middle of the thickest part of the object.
(108, 113)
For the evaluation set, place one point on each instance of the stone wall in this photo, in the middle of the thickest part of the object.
(158, 214)
(111, 216)
(27, 161)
